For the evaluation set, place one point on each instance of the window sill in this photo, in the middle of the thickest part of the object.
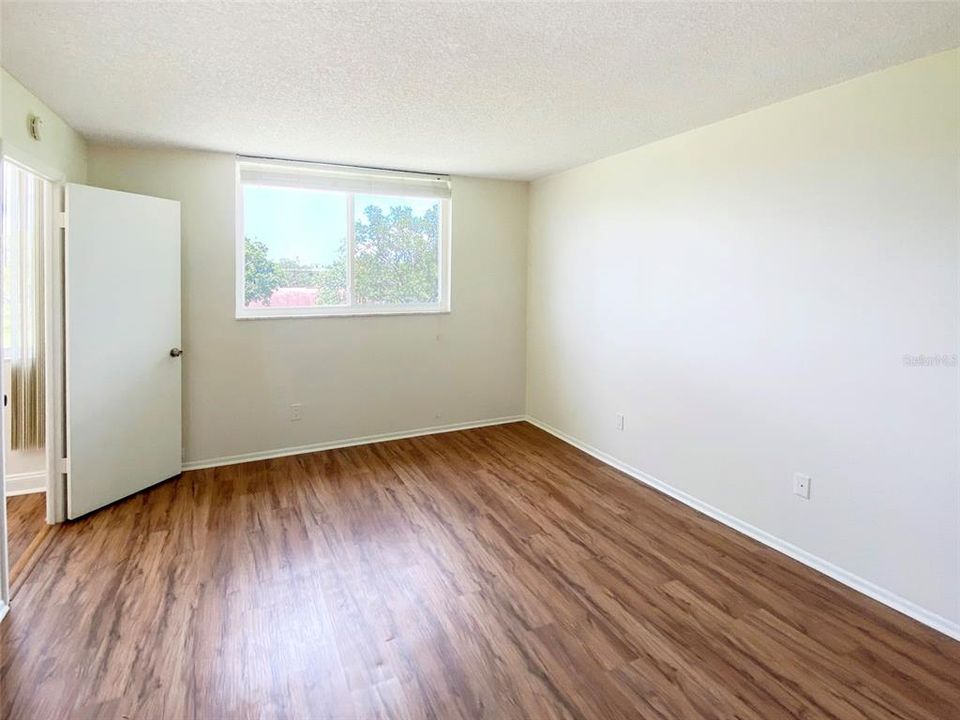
(286, 313)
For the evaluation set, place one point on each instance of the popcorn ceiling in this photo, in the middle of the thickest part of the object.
(488, 89)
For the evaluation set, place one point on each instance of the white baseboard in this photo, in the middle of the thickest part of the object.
(25, 483)
(3, 609)
(350, 442)
(892, 600)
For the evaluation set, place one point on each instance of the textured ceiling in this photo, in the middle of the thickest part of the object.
(492, 89)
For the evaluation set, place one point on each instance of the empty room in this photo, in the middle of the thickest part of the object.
(480, 360)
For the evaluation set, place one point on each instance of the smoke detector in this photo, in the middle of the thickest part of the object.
(36, 127)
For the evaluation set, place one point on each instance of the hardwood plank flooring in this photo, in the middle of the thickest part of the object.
(492, 573)
(26, 525)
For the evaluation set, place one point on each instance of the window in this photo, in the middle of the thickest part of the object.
(318, 240)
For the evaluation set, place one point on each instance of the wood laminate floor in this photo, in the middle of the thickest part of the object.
(26, 523)
(493, 573)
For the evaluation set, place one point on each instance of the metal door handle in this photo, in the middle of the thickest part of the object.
(176, 352)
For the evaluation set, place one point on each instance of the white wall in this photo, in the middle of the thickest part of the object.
(354, 376)
(745, 294)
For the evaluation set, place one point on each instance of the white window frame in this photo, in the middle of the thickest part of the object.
(350, 181)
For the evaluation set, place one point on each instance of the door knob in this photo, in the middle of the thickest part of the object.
(176, 352)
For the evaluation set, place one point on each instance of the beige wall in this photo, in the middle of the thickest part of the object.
(745, 295)
(354, 376)
(60, 150)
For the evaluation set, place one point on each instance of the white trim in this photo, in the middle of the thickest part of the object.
(335, 311)
(4, 556)
(25, 483)
(56, 357)
(64, 356)
(445, 254)
(52, 275)
(350, 442)
(890, 599)
(25, 160)
(348, 260)
(240, 246)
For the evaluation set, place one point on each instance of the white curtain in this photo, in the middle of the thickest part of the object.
(26, 198)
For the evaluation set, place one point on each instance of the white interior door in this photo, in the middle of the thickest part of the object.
(122, 336)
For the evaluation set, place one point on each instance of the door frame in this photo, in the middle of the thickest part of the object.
(53, 364)
(4, 557)
(56, 418)
(53, 328)
(53, 333)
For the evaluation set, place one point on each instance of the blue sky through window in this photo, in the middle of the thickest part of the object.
(308, 225)
(298, 224)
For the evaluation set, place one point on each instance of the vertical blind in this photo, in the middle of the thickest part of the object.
(26, 198)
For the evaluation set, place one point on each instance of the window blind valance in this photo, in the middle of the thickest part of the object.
(341, 178)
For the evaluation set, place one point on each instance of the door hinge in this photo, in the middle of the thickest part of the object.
(63, 466)
(61, 220)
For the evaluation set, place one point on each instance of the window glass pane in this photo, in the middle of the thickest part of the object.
(295, 247)
(396, 250)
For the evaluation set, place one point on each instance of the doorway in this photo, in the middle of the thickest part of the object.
(27, 230)
(94, 379)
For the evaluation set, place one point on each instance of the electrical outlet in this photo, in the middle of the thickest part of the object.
(296, 412)
(620, 422)
(801, 485)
